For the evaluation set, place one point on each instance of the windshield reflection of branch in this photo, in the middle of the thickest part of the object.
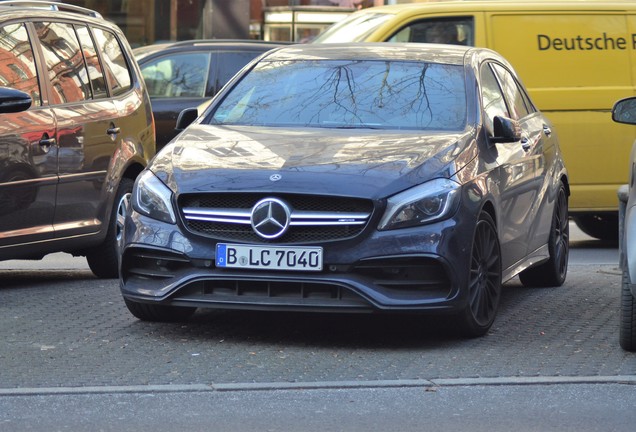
(358, 94)
(183, 81)
(329, 85)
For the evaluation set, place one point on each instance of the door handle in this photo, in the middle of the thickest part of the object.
(547, 130)
(113, 130)
(46, 142)
(525, 144)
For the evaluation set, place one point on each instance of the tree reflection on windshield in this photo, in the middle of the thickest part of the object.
(348, 94)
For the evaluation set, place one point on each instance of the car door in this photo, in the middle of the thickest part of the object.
(28, 148)
(86, 119)
(539, 145)
(519, 187)
(175, 81)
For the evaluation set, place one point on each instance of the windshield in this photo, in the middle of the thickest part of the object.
(348, 94)
(354, 28)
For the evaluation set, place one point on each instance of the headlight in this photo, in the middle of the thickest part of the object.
(432, 201)
(153, 198)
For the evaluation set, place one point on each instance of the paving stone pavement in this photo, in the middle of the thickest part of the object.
(64, 328)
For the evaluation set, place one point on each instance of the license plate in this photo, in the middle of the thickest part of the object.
(268, 257)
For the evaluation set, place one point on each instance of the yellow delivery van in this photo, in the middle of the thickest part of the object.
(577, 58)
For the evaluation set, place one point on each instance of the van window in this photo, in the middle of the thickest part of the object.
(177, 75)
(95, 73)
(514, 95)
(492, 98)
(115, 65)
(16, 55)
(64, 61)
(455, 31)
(354, 28)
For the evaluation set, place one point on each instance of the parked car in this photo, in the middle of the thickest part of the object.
(580, 39)
(353, 178)
(624, 111)
(75, 130)
(185, 74)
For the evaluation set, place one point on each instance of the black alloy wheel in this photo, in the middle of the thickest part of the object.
(554, 271)
(484, 284)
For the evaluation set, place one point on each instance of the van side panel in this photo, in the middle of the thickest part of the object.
(576, 66)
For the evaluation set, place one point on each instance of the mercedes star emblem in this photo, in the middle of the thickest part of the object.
(270, 218)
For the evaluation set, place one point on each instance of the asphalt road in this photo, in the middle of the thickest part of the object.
(73, 358)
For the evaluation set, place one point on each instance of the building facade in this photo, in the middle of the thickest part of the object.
(150, 21)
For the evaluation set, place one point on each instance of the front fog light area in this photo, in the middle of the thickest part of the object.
(432, 201)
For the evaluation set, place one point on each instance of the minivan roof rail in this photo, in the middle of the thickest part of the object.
(51, 5)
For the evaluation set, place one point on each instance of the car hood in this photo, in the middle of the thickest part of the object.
(349, 162)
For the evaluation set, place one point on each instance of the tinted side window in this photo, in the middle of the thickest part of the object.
(115, 64)
(17, 64)
(493, 101)
(229, 63)
(455, 31)
(513, 93)
(64, 61)
(95, 73)
(177, 75)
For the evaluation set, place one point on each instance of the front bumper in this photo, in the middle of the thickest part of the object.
(415, 269)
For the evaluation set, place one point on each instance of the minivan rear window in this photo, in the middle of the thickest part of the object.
(115, 64)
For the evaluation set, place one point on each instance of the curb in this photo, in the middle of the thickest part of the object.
(323, 385)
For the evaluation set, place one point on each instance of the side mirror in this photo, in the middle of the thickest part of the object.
(505, 130)
(624, 111)
(13, 101)
(186, 117)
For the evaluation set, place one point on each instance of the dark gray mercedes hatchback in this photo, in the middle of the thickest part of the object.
(353, 178)
(76, 128)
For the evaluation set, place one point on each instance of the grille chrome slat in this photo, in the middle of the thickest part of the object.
(297, 217)
(228, 217)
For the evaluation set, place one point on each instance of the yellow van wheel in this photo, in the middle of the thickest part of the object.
(602, 226)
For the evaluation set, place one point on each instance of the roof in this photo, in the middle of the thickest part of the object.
(448, 54)
(50, 6)
(242, 44)
(494, 5)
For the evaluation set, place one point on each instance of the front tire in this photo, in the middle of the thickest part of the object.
(627, 327)
(484, 284)
(103, 260)
(159, 313)
(554, 271)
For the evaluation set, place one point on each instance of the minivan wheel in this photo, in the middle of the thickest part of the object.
(103, 260)
(159, 313)
(553, 272)
(484, 283)
(627, 325)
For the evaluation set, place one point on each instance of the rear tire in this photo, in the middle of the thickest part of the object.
(554, 271)
(484, 283)
(602, 226)
(627, 327)
(159, 313)
(103, 260)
